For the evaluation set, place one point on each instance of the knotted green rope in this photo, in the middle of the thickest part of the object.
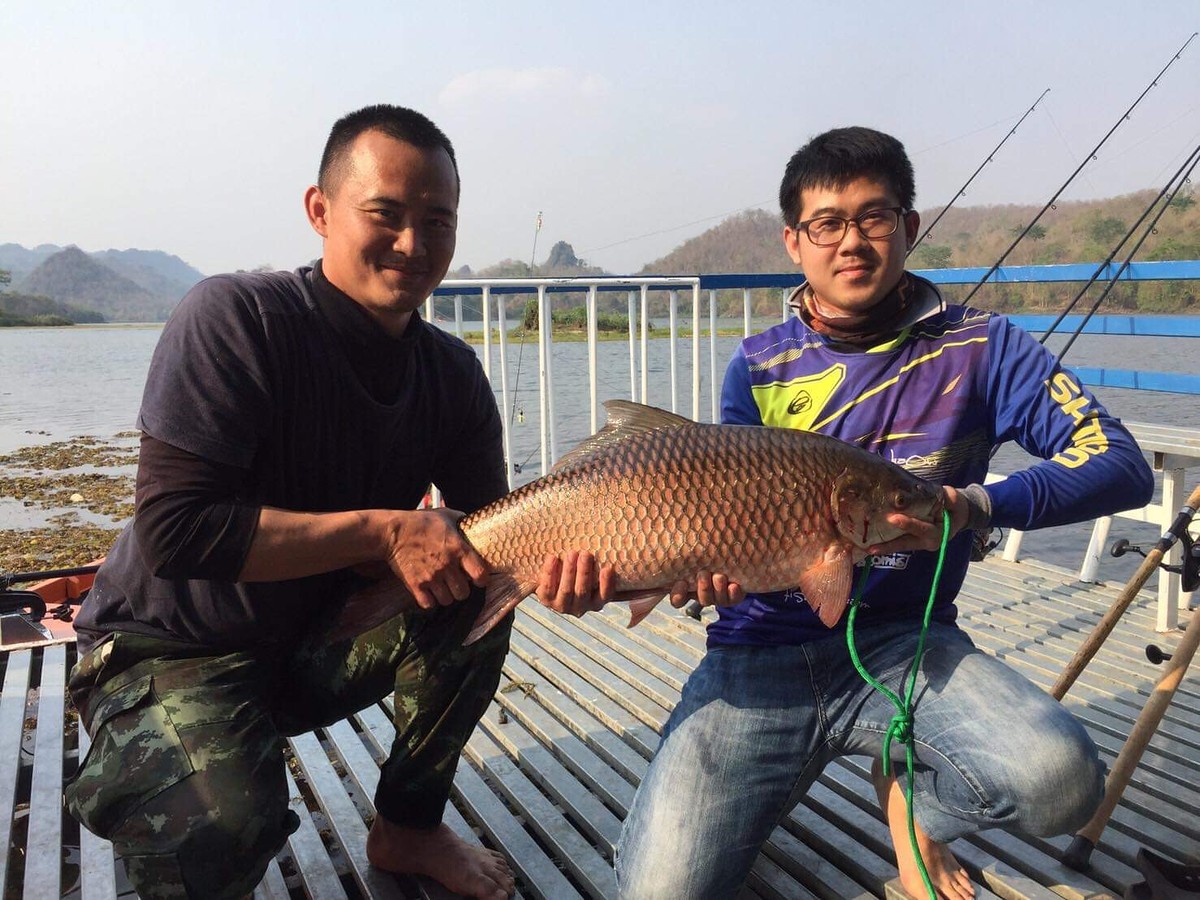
(901, 726)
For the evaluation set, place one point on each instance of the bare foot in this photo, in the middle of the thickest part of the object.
(441, 855)
(949, 878)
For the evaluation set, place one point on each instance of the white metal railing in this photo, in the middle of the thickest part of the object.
(494, 291)
(1174, 450)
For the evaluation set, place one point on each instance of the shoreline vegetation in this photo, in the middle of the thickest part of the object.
(78, 493)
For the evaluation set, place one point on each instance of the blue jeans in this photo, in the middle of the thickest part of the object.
(756, 725)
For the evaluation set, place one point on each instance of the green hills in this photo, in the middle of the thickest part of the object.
(50, 284)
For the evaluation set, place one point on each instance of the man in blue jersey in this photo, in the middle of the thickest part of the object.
(877, 358)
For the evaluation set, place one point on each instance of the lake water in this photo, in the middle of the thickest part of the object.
(57, 383)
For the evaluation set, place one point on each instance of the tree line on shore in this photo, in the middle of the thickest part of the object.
(750, 241)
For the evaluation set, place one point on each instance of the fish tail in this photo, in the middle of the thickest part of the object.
(502, 594)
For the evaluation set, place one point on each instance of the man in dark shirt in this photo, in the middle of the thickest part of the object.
(291, 424)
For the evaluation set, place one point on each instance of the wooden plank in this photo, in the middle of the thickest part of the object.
(12, 726)
(43, 848)
(344, 819)
(579, 857)
(97, 868)
(539, 873)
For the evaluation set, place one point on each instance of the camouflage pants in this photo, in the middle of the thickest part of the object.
(186, 770)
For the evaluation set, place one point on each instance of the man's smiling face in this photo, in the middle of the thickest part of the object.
(389, 224)
(853, 275)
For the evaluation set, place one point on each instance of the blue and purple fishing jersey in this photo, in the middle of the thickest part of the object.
(935, 400)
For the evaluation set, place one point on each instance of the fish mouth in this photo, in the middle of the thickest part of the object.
(937, 507)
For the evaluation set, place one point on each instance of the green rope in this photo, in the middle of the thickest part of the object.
(901, 726)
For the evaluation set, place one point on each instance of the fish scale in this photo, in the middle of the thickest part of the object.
(660, 498)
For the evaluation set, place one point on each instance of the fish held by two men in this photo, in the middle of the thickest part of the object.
(660, 498)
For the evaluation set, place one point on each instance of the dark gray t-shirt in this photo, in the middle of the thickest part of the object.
(249, 373)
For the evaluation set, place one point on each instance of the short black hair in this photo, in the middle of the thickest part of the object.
(836, 158)
(396, 122)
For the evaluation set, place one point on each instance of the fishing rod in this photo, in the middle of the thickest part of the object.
(8, 579)
(1120, 773)
(983, 543)
(1092, 155)
(1188, 165)
(963, 190)
(521, 351)
(1194, 159)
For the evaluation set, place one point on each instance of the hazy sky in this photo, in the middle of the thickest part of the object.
(195, 128)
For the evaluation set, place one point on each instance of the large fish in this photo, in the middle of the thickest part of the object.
(661, 497)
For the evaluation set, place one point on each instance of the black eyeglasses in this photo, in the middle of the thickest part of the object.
(825, 231)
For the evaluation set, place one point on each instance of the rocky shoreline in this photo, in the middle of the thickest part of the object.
(62, 504)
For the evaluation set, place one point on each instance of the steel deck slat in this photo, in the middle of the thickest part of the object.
(529, 861)
(584, 705)
(377, 729)
(344, 818)
(12, 724)
(316, 869)
(545, 718)
(578, 802)
(43, 856)
(273, 887)
(591, 697)
(580, 858)
(593, 733)
(97, 871)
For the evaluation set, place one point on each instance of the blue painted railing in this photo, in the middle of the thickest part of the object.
(1144, 325)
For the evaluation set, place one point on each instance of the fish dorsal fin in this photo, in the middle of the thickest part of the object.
(625, 419)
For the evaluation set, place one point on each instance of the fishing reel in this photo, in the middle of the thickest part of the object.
(984, 541)
(28, 603)
(1188, 571)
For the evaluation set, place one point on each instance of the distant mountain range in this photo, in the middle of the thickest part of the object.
(145, 285)
(117, 285)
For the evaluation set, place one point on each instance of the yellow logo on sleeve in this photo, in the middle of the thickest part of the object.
(797, 403)
(1088, 439)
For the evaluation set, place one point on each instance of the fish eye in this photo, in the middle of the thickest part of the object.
(901, 500)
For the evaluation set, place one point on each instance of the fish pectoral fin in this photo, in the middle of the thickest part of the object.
(826, 585)
(502, 594)
(641, 604)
